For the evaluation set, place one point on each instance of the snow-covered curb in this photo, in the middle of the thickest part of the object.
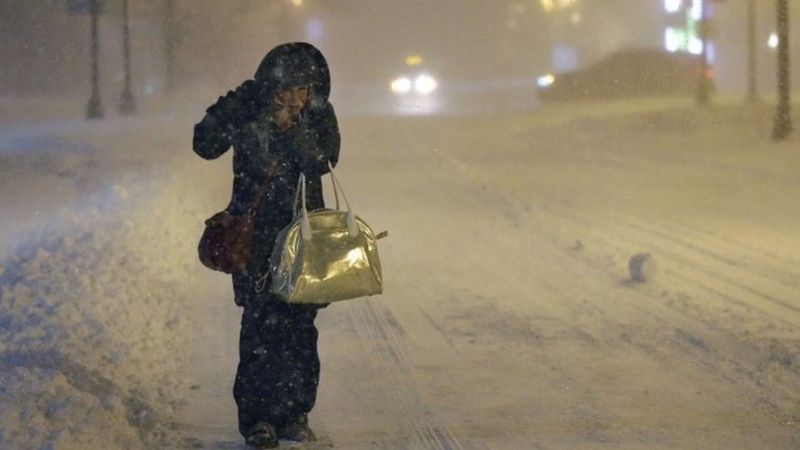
(90, 354)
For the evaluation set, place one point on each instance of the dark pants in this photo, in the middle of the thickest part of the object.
(278, 372)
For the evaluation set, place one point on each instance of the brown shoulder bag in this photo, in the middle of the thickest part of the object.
(227, 241)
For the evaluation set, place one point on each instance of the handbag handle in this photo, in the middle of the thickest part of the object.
(333, 183)
(352, 227)
(305, 224)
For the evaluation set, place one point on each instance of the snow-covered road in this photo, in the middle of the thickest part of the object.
(508, 322)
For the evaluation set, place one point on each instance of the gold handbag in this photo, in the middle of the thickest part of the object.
(324, 255)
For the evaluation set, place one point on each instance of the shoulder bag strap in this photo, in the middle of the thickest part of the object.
(257, 200)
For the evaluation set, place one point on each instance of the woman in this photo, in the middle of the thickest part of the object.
(280, 125)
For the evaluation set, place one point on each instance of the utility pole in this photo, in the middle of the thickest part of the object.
(126, 102)
(703, 95)
(95, 108)
(783, 116)
(752, 62)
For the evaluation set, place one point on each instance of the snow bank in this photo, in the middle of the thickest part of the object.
(92, 339)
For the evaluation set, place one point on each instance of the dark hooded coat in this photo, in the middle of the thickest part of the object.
(278, 372)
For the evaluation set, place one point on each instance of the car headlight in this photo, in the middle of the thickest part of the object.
(401, 85)
(425, 84)
(546, 80)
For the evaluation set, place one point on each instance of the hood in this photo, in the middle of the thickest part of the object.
(294, 64)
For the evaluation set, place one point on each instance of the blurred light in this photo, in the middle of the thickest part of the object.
(697, 9)
(401, 85)
(425, 84)
(575, 18)
(413, 60)
(773, 40)
(673, 39)
(565, 57)
(314, 30)
(545, 80)
(673, 6)
(297, 2)
(550, 5)
(695, 46)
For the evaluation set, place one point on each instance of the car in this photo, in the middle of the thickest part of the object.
(626, 73)
(414, 88)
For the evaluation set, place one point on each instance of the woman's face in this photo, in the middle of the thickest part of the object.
(294, 99)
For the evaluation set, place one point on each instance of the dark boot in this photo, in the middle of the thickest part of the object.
(262, 435)
(297, 430)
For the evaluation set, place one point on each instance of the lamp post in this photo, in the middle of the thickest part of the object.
(783, 116)
(126, 102)
(95, 107)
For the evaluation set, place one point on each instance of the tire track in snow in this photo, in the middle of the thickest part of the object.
(703, 248)
(731, 246)
(559, 209)
(703, 344)
(381, 333)
(670, 248)
(679, 343)
(713, 348)
(593, 417)
(710, 243)
(733, 355)
(565, 208)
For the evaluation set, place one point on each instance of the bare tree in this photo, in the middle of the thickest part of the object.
(783, 116)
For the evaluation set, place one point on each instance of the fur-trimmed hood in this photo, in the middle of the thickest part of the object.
(294, 64)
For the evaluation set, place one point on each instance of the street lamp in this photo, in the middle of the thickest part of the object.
(126, 102)
(95, 107)
(783, 116)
